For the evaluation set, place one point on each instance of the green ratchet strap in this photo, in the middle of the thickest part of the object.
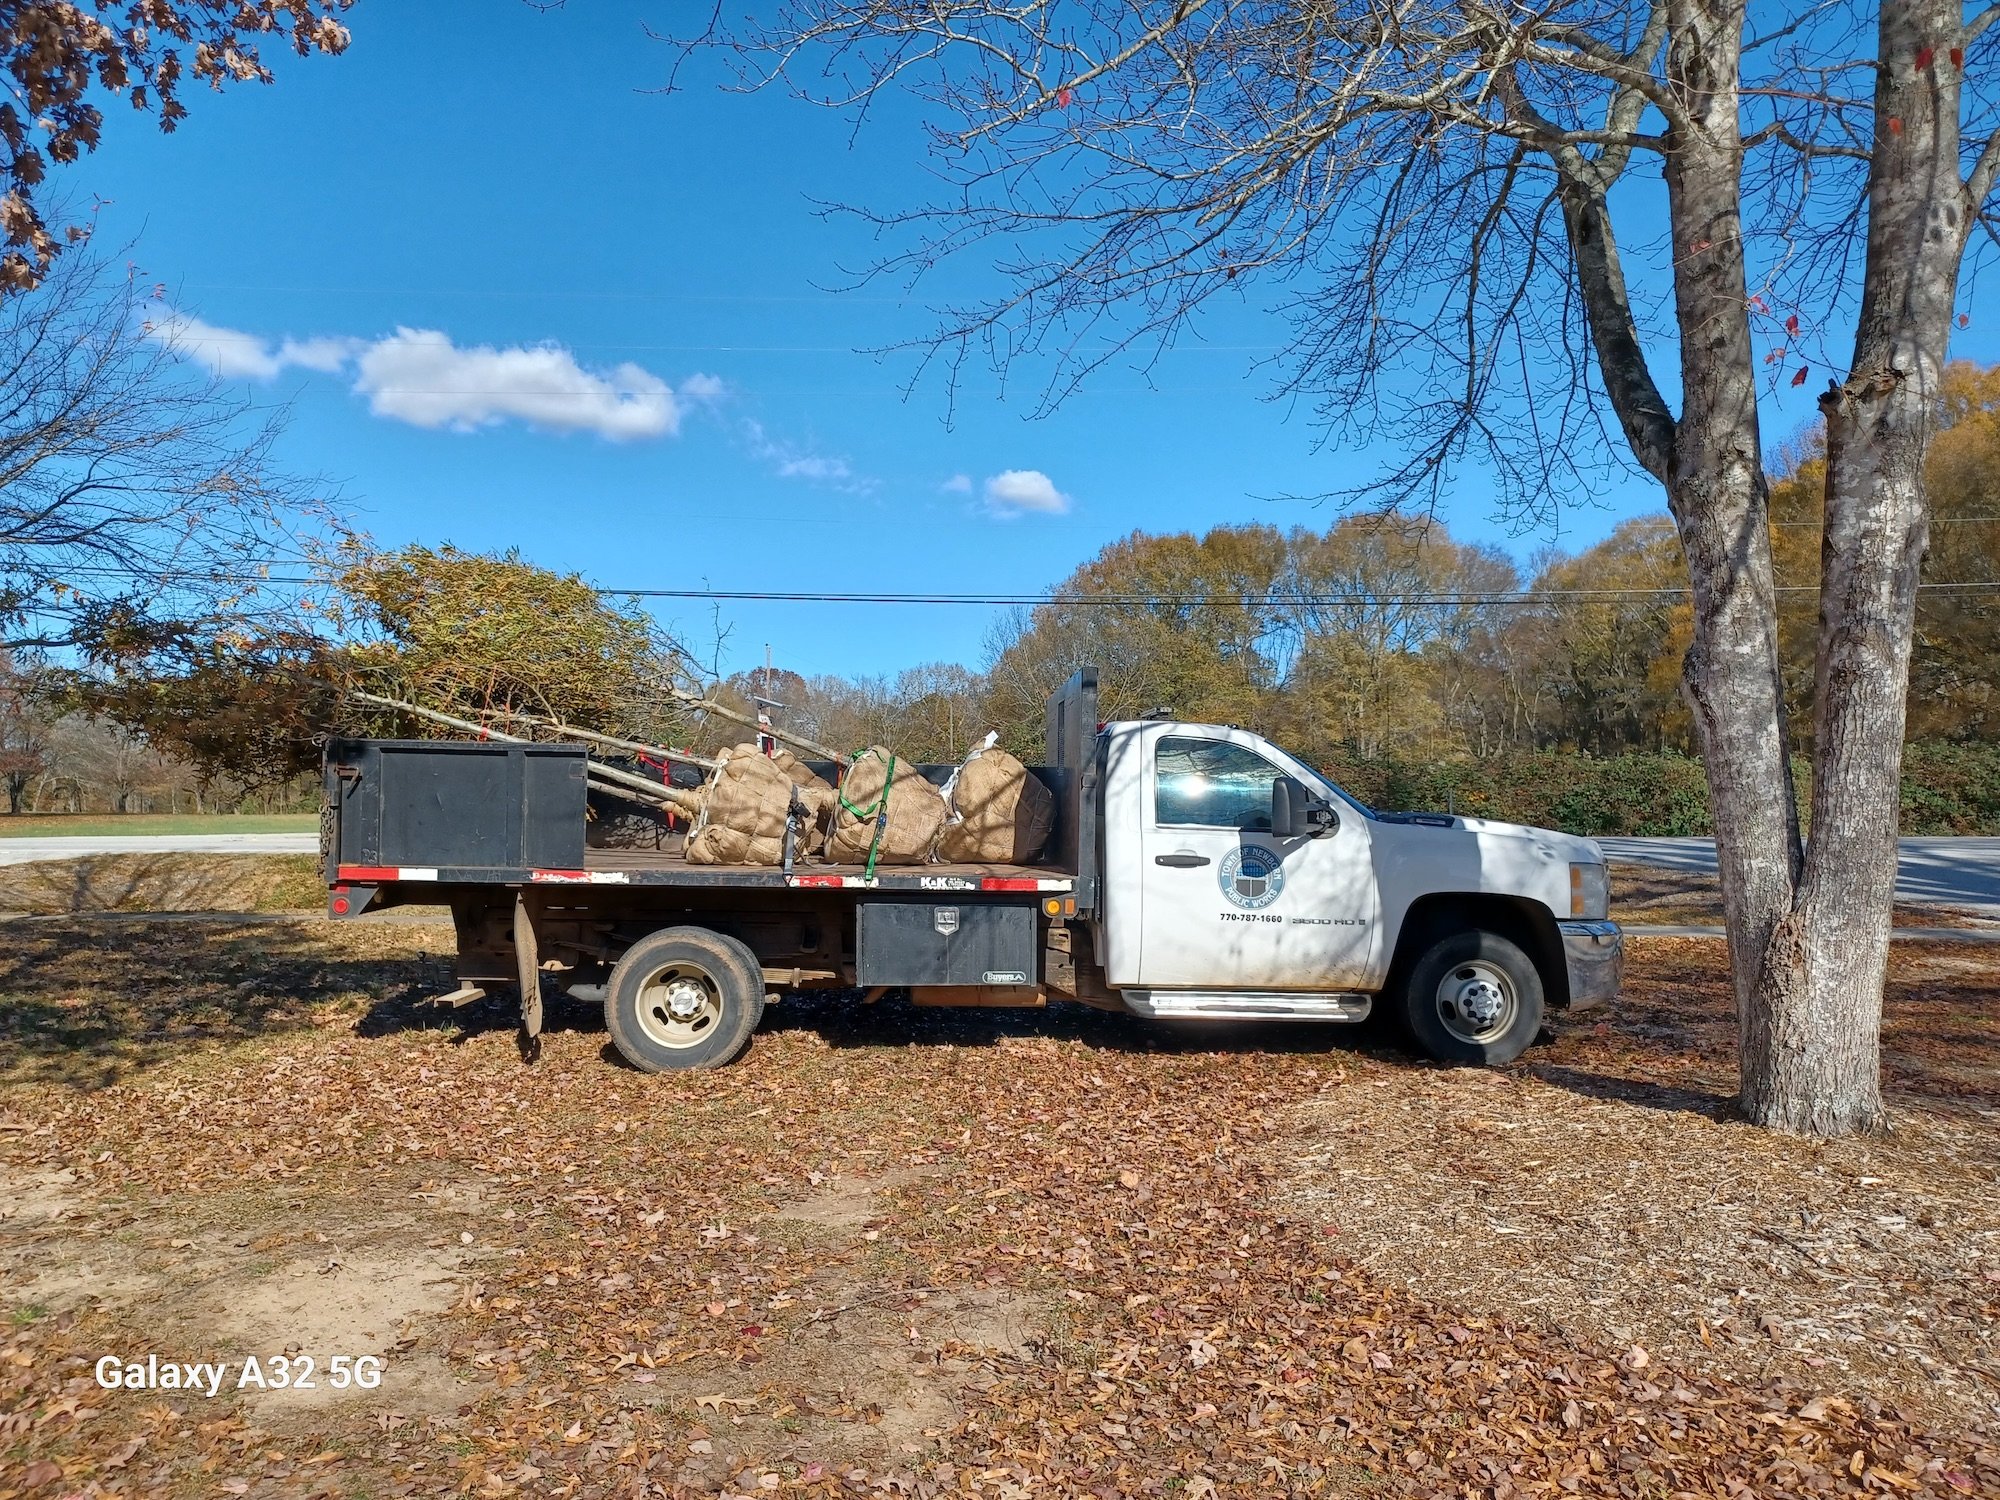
(879, 812)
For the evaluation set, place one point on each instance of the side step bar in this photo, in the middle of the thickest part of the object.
(1247, 1005)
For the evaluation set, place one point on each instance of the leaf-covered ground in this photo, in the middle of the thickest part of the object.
(164, 882)
(940, 1252)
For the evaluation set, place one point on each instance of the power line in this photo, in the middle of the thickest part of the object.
(1274, 600)
(1206, 601)
(1665, 523)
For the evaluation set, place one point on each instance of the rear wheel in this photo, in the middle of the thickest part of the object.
(1474, 997)
(684, 997)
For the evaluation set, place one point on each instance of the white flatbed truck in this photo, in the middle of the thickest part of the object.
(1196, 872)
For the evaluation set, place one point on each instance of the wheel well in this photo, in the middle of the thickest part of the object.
(1528, 923)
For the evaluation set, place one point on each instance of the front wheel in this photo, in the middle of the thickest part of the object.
(1474, 998)
(684, 997)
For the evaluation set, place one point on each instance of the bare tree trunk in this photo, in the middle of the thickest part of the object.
(1711, 464)
(1732, 678)
(1815, 1066)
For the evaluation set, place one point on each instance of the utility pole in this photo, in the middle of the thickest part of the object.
(766, 740)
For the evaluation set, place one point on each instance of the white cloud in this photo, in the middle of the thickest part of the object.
(228, 354)
(328, 356)
(958, 484)
(1017, 490)
(703, 390)
(789, 462)
(419, 376)
(816, 467)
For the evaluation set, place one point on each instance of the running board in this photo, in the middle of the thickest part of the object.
(1247, 1005)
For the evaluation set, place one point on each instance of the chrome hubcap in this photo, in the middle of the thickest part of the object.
(1476, 1002)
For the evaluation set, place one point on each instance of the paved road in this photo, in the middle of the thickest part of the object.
(29, 851)
(1932, 872)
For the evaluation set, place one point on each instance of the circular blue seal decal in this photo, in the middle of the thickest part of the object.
(1251, 876)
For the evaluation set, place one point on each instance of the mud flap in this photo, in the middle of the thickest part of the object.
(528, 961)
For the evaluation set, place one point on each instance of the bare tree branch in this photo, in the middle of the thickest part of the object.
(1979, 184)
(135, 496)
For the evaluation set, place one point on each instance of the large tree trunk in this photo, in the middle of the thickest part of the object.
(1808, 926)
(1814, 1065)
(1732, 679)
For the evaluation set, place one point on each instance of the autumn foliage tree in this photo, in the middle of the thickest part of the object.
(1956, 644)
(64, 60)
(473, 635)
(484, 635)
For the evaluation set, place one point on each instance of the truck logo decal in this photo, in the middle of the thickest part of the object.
(1251, 877)
(945, 920)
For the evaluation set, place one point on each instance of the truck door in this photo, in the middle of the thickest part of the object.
(1227, 906)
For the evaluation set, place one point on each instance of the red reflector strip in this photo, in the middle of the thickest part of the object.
(1008, 883)
(819, 882)
(368, 874)
(561, 877)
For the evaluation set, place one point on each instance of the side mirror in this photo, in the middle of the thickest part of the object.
(1297, 814)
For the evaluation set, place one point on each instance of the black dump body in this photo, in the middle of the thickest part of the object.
(455, 804)
(541, 870)
(478, 812)
(469, 812)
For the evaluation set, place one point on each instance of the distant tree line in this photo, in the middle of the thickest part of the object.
(1422, 670)
(76, 762)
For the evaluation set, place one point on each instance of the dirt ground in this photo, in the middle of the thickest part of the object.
(948, 1252)
(1624, 1202)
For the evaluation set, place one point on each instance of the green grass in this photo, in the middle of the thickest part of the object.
(103, 825)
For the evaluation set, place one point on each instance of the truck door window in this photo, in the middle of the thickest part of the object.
(1211, 784)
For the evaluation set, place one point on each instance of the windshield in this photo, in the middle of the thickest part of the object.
(1336, 788)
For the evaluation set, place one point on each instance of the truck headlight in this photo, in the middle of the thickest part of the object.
(1589, 891)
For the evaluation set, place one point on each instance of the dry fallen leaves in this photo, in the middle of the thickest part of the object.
(1018, 1318)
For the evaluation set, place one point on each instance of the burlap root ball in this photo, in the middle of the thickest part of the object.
(1000, 812)
(916, 812)
(745, 804)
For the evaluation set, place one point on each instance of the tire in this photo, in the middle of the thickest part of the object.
(683, 997)
(1473, 999)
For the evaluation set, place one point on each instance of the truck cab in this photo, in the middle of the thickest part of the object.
(1238, 882)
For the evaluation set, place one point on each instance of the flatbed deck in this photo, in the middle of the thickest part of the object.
(662, 867)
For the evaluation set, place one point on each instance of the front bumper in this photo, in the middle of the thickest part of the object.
(1594, 953)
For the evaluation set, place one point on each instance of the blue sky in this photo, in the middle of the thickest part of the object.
(534, 302)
